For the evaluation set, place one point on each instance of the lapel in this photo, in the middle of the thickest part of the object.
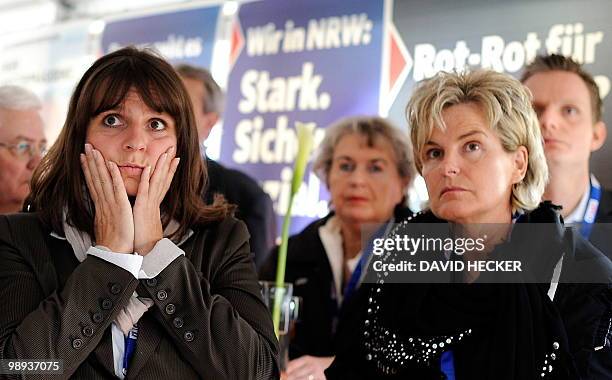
(149, 330)
(187, 247)
(32, 238)
(63, 259)
(149, 338)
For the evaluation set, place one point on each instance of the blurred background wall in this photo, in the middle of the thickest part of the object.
(309, 61)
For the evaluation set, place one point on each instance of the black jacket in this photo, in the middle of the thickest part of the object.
(254, 205)
(601, 360)
(604, 212)
(515, 326)
(601, 236)
(309, 270)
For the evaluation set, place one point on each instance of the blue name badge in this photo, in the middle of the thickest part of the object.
(130, 348)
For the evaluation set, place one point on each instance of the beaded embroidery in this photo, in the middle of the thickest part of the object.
(389, 351)
(549, 359)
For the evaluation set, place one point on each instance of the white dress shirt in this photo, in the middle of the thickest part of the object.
(577, 214)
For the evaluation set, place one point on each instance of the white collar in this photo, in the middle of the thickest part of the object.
(81, 241)
(331, 237)
(577, 215)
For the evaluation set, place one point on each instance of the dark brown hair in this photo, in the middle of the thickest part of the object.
(58, 183)
(557, 62)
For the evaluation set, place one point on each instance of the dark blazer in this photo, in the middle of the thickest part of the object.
(309, 270)
(601, 360)
(586, 310)
(55, 307)
(601, 236)
(604, 212)
(254, 205)
(576, 318)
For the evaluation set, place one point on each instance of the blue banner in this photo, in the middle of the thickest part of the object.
(185, 36)
(309, 61)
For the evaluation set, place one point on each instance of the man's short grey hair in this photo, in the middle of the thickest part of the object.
(373, 129)
(214, 94)
(18, 98)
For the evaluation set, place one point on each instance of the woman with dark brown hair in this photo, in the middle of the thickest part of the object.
(119, 267)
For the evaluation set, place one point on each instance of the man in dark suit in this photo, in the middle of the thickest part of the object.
(569, 108)
(254, 205)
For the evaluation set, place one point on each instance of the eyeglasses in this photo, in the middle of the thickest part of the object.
(25, 149)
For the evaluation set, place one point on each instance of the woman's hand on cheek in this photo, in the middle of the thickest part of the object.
(113, 222)
(152, 189)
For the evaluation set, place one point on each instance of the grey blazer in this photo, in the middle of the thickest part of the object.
(208, 320)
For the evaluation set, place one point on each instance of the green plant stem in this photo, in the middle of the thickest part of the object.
(280, 269)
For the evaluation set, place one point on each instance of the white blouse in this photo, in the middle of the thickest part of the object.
(331, 237)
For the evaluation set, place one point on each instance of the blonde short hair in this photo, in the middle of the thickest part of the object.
(507, 107)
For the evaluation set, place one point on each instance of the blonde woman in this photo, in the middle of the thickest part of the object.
(478, 146)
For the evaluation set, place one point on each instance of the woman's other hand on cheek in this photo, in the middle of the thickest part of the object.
(113, 222)
(152, 189)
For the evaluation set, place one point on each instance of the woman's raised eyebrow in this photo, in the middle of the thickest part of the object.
(344, 158)
(117, 109)
(471, 133)
(379, 160)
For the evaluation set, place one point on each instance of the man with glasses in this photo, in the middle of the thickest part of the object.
(22, 144)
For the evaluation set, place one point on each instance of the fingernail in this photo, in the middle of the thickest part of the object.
(109, 165)
(88, 148)
(165, 156)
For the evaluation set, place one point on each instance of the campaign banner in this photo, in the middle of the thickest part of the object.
(48, 62)
(308, 61)
(502, 36)
(185, 36)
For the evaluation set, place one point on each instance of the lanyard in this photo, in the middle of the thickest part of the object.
(591, 210)
(447, 364)
(130, 347)
(353, 283)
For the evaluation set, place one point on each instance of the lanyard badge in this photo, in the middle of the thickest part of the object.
(130, 348)
(591, 210)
